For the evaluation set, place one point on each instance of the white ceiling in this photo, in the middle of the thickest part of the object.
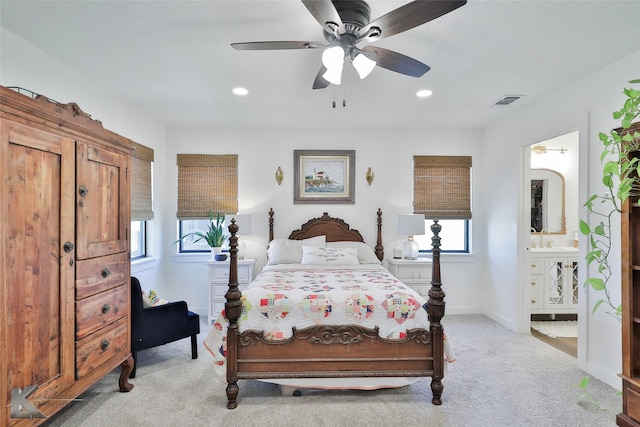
(173, 59)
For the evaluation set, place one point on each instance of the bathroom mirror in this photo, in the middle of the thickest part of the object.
(547, 201)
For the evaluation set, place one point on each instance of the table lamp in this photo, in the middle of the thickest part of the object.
(244, 229)
(411, 225)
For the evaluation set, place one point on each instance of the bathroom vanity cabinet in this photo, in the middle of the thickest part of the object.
(554, 281)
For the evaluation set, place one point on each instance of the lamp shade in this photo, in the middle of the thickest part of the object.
(333, 61)
(411, 224)
(244, 224)
(363, 65)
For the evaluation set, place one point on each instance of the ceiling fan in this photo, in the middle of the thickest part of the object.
(345, 23)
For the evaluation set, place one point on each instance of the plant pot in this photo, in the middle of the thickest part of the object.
(214, 251)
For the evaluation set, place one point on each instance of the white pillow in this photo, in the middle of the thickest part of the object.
(365, 253)
(329, 256)
(285, 251)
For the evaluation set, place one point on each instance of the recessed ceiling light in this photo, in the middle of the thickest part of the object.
(424, 93)
(240, 91)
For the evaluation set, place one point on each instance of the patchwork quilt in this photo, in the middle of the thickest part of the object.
(285, 296)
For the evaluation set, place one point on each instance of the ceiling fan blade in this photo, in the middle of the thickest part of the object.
(320, 82)
(411, 15)
(395, 61)
(275, 45)
(324, 11)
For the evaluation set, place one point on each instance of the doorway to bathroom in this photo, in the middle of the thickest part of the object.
(553, 215)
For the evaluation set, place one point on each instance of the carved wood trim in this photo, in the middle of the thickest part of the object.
(333, 228)
(334, 334)
(68, 118)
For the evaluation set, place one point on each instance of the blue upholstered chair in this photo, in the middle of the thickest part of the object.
(161, 324)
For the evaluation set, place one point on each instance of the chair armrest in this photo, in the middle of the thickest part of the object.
(173, 314)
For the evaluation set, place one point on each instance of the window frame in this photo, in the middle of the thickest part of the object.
(467, 248)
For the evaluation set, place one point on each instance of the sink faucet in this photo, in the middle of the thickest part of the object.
(542, 236)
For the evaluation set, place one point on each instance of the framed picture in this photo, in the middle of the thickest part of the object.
(324, 176)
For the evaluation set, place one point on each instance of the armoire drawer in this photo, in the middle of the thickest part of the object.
(99, 274)
(97, 348)
(99, 310)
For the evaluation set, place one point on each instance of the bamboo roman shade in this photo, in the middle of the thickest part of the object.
(141, 193)
(207, 182)
(442, 186)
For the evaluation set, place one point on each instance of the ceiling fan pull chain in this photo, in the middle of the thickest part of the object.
(334, 97)
(344, 94)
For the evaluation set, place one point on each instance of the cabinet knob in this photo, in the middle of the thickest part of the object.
(533, 283)
(67, 247)
(105, 273)
(106, 308)
(83, 191)
(533, 301)
(104, 345)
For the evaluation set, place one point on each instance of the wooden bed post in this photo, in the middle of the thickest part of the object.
(379, 247)
(435, 310)
(233, 310)
(270, 224)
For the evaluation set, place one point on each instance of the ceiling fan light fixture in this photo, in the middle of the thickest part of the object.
(363, 65)
(333, 61)
(240, 91)
(424, 93)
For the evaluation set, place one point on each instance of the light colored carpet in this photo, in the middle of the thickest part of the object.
(500, 379)
(554, 329)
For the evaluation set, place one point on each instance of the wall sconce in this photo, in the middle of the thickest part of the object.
(369, 176)
(541, 149)
(279, 175)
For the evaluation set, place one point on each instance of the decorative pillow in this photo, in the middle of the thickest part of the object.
(150, 299)
(329, 256)
(366, 255)
(285, 251)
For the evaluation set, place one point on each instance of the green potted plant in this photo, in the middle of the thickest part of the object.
(214, 235)
(618, 177)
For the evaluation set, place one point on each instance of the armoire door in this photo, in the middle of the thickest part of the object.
(102, 201)
(37, 259)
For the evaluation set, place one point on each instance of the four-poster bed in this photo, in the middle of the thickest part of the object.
(328, 343)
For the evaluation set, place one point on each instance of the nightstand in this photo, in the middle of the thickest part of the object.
(219, 283)
(414, 273)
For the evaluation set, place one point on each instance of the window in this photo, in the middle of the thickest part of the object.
(141, 198)
(138, 239)
(206, 183)
(454, 234)
(442, 190)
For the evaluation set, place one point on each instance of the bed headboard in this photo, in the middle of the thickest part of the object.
(335, 229)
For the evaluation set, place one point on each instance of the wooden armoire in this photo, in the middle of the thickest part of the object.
(64, 255)
(630, 228)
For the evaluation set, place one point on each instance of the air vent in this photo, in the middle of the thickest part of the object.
(508, 99)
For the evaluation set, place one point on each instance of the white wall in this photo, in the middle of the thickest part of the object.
(260, 151)
(596, 97)
(23, 65)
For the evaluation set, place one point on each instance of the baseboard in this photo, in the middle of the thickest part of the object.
(507, 323)
(605, 376)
